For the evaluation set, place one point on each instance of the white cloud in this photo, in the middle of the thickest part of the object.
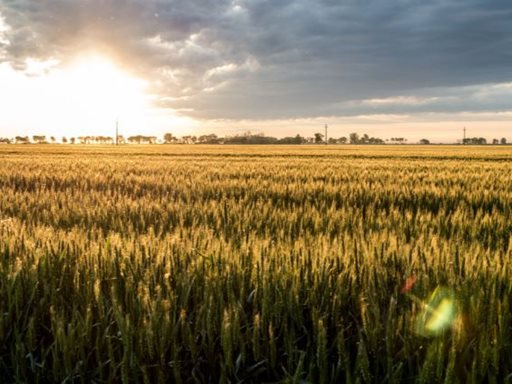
(34, 67)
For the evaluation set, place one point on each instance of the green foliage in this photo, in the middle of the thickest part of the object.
(276, 264)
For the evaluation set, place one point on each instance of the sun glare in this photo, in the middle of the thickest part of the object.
(84, 97)
(96, 89)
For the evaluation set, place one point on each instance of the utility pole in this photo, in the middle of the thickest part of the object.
(325, 134)
(117, 132)
(464, 139)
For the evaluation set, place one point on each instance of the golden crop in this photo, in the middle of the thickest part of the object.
(253, 264)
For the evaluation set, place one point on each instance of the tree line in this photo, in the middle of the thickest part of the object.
(246, 138)
(483, 141)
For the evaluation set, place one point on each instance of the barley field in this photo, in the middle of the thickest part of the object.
(270, 264)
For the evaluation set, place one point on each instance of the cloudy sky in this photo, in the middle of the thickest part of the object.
(389, 68)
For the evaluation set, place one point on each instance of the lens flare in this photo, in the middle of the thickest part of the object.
(409, 283)
(439, 313)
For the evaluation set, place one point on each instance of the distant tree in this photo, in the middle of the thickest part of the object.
(137, 139)
(72, 140)
(121, 139)
(424, 141)
(22, 140)
(503, 141)
(495, 141)
(52, 139)
(319, 138)
(332, 140)
(39, 139)
(354, 138)
(168, 138)
(209, 139)
(376, 140)
(103, 139)
(64, 140)
(5, 140)
(140, 139)
(298, 139)
(475, 140)
(248, 138)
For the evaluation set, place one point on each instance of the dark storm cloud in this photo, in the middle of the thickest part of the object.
(272, 59)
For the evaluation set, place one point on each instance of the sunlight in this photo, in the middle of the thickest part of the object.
(84, 96)
(95, 87)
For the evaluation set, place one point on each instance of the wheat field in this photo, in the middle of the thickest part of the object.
(274, 264)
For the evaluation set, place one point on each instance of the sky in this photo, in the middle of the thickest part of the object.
(401, 68)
